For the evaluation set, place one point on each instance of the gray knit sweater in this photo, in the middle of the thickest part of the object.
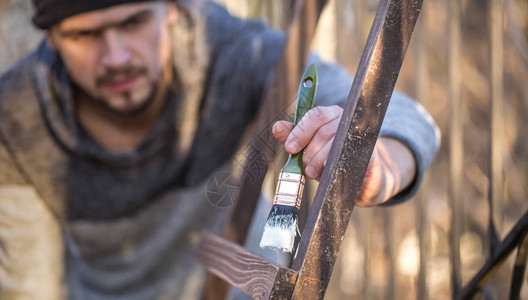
(130, 220)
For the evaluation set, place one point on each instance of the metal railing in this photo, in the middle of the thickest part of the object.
(468, 76)
(468, 66)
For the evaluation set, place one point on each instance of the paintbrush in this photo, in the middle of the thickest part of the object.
(282, 224)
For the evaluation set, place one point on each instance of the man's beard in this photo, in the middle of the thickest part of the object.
(128, 71)
(132, 111)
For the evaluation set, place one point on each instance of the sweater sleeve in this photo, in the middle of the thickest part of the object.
(405, 120)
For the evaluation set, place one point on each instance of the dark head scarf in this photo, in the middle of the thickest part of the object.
(51, 12)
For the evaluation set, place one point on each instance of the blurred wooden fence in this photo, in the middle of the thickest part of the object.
(468, 65)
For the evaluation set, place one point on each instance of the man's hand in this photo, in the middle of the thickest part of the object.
(391, 169)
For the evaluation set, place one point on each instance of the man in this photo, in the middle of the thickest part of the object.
(111, 128)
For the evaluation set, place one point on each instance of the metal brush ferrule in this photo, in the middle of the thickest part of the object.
(289, 189)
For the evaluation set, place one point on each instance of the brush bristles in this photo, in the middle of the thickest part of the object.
(281, 228)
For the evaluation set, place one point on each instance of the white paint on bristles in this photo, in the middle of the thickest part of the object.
(279, 237)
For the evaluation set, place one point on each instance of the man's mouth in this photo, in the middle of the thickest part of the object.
(121, 84)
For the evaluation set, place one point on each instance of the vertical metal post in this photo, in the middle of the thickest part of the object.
(456, 156)
(348, 33)
(361, 11)
(365, 223)
(496, 188)
(421, 208)
(390, 252)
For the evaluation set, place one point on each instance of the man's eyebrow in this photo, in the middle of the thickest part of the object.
(140, 15)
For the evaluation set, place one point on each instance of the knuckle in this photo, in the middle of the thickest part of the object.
(316, 114)
(327, 132)
(337, 111)
(292, 136)
(301, 126)
(280, 128)
(307, 155)
(336, 107)
(318, 170)
(305, 162)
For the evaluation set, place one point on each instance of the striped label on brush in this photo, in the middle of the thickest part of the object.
(289, 189)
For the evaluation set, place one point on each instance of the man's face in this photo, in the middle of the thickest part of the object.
(118, 55)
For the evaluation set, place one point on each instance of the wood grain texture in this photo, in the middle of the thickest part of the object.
(256, 276)
(353, 145)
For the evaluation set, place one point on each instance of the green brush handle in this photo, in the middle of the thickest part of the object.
(305, 101)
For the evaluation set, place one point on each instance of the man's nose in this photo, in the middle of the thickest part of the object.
(115, 53)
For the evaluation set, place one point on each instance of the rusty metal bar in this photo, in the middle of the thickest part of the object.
(353, 145)
(365, 216)
(456, 154)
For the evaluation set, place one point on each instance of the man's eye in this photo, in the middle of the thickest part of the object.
(83, 35)
(133, 22)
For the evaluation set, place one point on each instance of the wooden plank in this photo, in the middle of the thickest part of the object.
(502, 251)
(456, 151)
(353, 144)
(252, 274)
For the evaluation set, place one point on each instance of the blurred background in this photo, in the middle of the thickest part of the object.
(473, 87)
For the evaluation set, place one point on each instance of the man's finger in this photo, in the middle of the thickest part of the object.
(324, 134)
(281, 130)
(314, 169)
(308, 126)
